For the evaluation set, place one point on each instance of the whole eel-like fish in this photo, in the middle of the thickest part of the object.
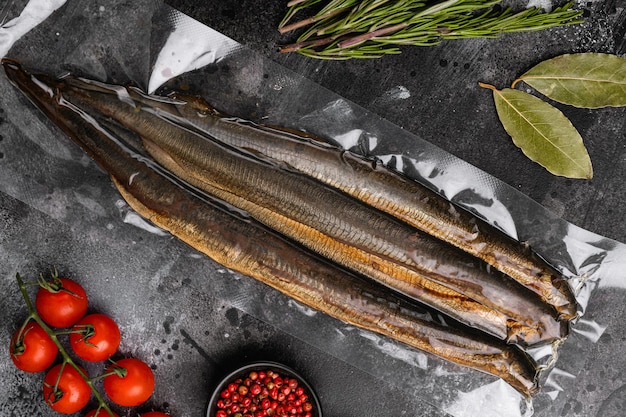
(331, 223)
(387, 190)
(245, 245)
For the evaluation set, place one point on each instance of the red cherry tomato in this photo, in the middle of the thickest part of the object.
(133, 386)
(32, 350)
(67, 393)
(95, 337)
(62, 302)
(154, 414)
(100, 413)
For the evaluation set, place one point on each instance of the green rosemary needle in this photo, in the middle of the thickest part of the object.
(345, 29)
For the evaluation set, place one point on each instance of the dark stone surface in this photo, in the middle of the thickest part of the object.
(64, 213)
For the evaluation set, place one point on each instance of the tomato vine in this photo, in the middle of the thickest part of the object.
(35, 347)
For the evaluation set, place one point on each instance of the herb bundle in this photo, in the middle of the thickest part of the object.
(344, 29)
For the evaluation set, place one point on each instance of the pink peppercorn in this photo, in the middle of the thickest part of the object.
(264, 394)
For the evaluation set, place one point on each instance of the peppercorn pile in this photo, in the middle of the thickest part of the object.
(262, 394)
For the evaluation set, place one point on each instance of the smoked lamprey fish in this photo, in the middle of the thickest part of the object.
(245, 245)
(330, 222)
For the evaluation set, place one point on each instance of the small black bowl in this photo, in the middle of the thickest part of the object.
(244, 371)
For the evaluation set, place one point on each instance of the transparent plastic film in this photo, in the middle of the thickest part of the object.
(162, 51)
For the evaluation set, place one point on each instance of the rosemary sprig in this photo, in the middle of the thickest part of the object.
(344, 29)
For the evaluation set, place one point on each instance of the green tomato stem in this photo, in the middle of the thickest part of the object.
(19, 339)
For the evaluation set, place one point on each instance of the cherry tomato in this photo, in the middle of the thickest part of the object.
(95, 337)
(100, 413)
(62, 303)
(135, 384)
(33, 350)
(154, 414)
(72, 392)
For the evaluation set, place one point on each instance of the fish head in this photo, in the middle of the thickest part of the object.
(41, 89)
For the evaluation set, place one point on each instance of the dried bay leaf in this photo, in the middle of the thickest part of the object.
(542, 132)
(588, 80)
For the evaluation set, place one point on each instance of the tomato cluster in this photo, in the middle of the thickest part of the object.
(60, 308)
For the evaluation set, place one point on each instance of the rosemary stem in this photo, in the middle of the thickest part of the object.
(305, 22)
(295, 2)
(371, 35)
(306, 44)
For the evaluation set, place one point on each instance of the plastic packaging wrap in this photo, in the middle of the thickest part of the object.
(162, 50)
